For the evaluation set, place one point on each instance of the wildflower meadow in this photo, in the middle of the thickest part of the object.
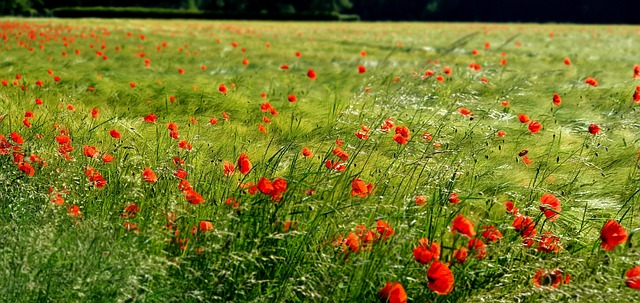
(237, 161)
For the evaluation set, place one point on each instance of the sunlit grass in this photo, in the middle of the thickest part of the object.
(292, 250)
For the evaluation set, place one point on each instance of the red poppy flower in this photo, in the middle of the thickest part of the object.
(478, 248)
(384, 229)
(284, 67)
(89, 151)
(26, 123)
(424, 253)
(133, 85)
(632, 277)
(567, 61)
(491, 233)
(228, 168)
(550, 206)
(244, 164)
(360, 188)
(245, 62)
(549, 243)
(180, 173)
(440, 278)
(26, 168)
(552, 278)
(150, 118)
(205, 226)
(340, 153)
(393, 292)
(453, 198)
(149, 176)
(594, 129)
(279, 188)
(16, 138)
(94, 113)
(262, 129)
(265, 186)
(636, 71)
(420, 200)
(192, 196)
(361, 69)
(337, 165)
(306, 152)
(447, 70)
(222, 89)
(501, 133)
(524, 225)
(534, 127)
(591, 81)
(181, 71)
(107, 158)
(292, 98)
(462, 225)
(636, 95)
(556, 100)
(402, 135)
(612, 235)
(510, 207)
(114, 134)
(298, 54)
(523, 118)
(461, 254)
(465, 112)
(311, 74)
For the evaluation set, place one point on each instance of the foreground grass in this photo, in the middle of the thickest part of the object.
(293, 250)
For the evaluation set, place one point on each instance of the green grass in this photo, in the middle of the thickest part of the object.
(49, 255)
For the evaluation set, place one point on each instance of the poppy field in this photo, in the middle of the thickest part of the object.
(188, 161)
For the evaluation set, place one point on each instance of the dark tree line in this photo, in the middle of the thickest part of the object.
(588, 11)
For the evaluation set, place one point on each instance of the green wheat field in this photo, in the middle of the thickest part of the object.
(236, 161)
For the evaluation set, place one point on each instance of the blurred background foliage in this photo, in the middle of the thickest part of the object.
(580, 11)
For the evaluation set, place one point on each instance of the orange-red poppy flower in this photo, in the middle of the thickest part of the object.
(360, 188)
(311, 74)
(524, 225)
(149, 176)
(205, 226)
(426, 252)
(461, 254)
(393, 292)
(244, 164)
(612, 235)
(552, 278)
(591, 81)
(306, 152)
(550, 206)
(523, 118)
(491, 233)
(632, 277)
(228, 168)
(440, 278)
(477, 247)
(462, 225)
(534, 127)
(549, 243)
